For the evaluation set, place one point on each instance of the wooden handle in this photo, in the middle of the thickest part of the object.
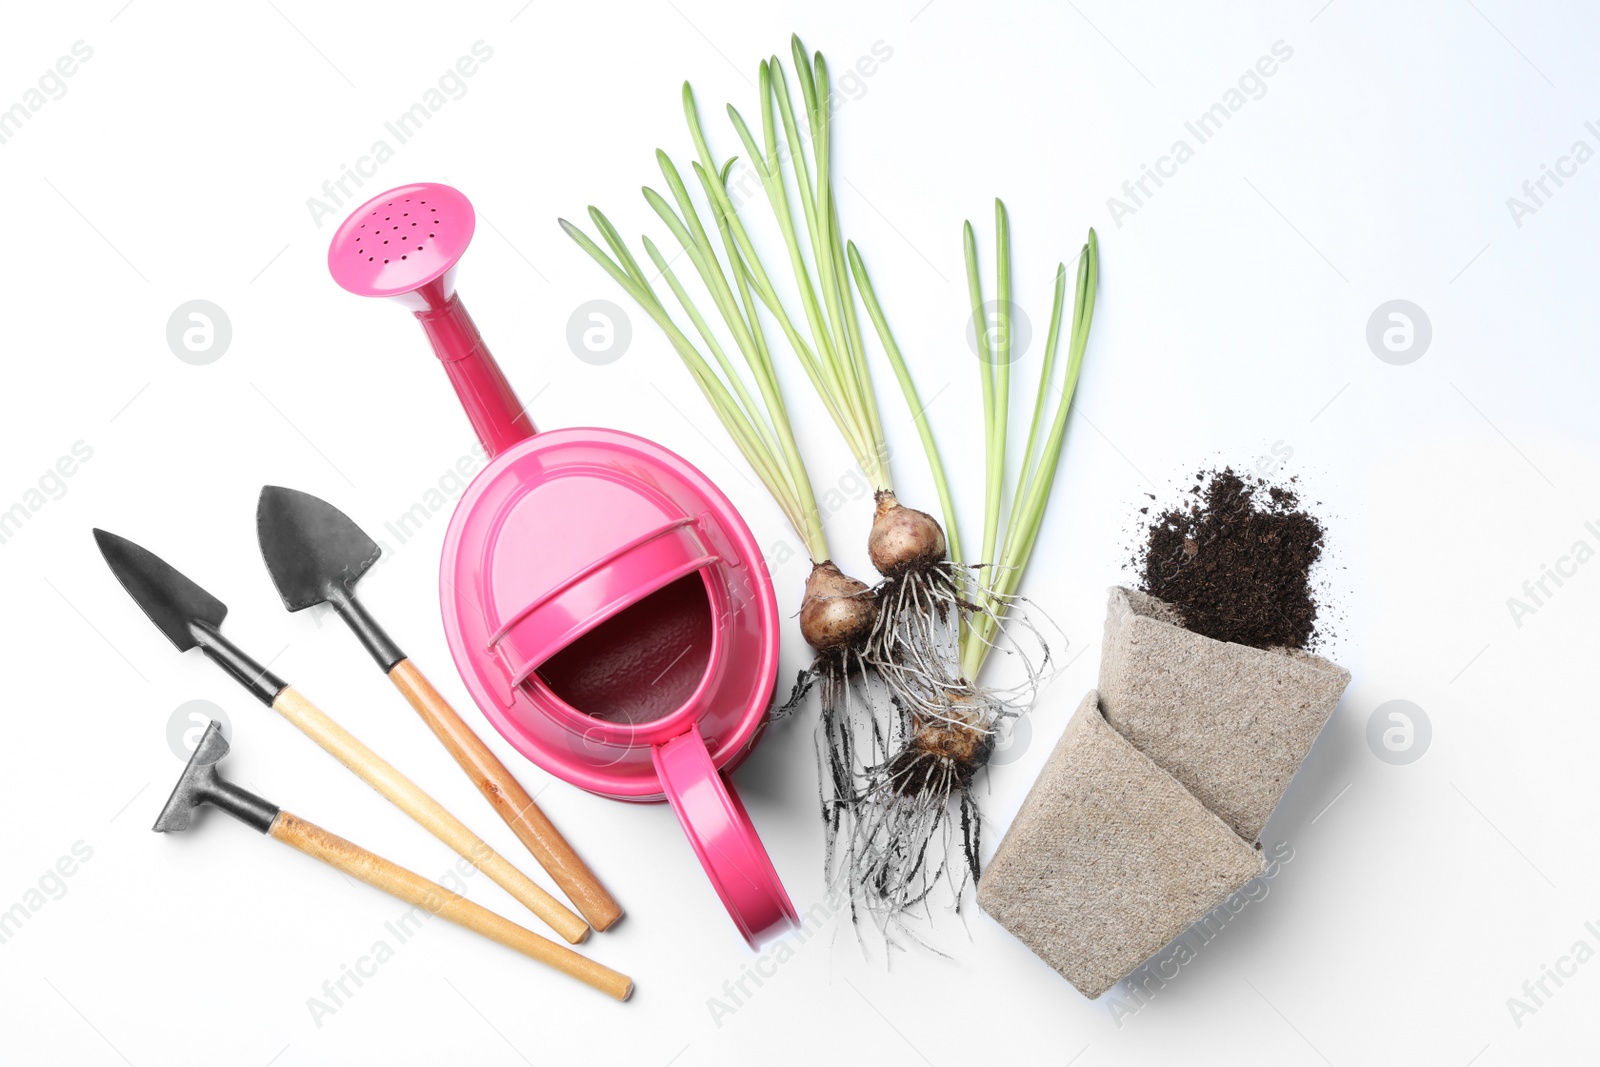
(532, 827)
(409, 798)
(412, 888)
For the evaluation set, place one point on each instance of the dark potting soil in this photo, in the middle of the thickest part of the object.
(1234, 558)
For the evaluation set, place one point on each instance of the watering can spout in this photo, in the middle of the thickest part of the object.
(491, 404)
(404, 245)
(430, 296)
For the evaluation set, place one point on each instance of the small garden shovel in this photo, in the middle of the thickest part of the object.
(316, 555)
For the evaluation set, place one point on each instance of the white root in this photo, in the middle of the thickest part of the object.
(902, 735)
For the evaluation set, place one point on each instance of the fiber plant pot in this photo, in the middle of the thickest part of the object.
(1109, 859)
(1229, 722)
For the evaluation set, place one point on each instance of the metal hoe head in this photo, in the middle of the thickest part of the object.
(173, 602)
(201, 783)
(313, 551)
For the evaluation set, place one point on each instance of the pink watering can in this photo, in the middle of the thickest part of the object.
(605, 604)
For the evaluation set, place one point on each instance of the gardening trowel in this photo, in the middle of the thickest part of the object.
(202, 783)
(316, 555)
(190, 617)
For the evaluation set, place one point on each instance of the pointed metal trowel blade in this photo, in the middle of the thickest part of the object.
(172, 601)
(313, 551)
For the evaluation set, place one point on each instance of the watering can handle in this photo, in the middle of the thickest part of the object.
(491, 404)
(724, 838)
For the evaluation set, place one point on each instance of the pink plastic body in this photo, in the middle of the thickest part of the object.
(605, 604)
(516, 597)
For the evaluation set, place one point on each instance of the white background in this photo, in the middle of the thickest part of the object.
(1232, 319)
